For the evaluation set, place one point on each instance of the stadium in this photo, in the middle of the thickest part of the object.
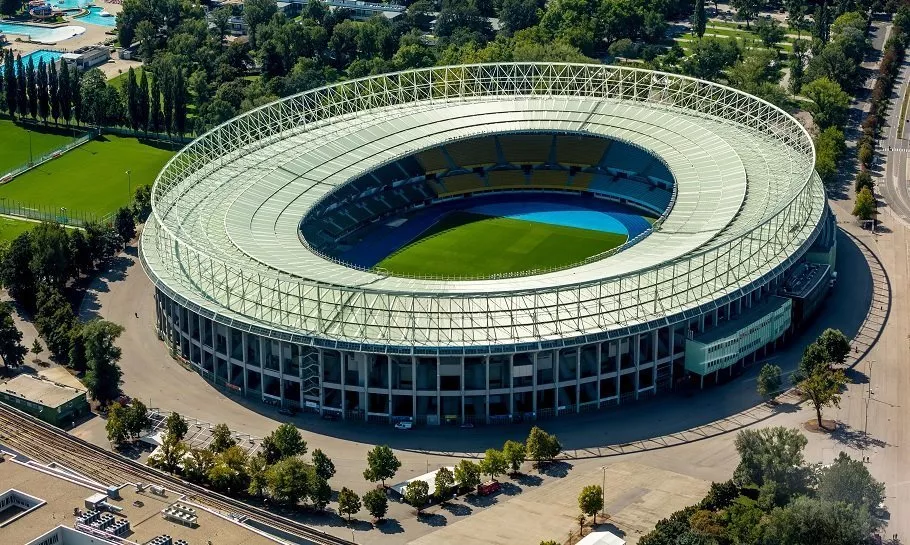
(488, 243)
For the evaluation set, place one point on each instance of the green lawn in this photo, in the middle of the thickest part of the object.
(15, 138)
(90, 179)
(10, 228)
(465, 244)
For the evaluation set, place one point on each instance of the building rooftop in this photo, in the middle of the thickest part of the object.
(40, 390)
(727, 328)
(63, 492)
(747, 203)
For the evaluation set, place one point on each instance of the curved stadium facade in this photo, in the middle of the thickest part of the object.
(250, 242)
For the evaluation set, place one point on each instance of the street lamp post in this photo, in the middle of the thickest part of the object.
(603, 492)
(129, 184)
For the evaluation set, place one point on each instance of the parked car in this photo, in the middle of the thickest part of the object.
(404, 425)
(489, 487)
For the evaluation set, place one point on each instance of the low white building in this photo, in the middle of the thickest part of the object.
(602, 538)
(429, 478)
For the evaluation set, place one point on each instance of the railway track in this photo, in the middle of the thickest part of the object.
(46, 443)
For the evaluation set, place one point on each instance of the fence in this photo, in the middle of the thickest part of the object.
(39, 212)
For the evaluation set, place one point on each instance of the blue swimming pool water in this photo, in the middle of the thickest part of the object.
(94, 17)
(69, 4)
(37, 56)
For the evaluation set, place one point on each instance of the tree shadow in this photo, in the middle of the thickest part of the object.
(557, 469)
(389, 526)
(480, 501)
(528, 480)
(458, 509)
(432, 519)
(510, 489)
(855, 438)
(786, 407)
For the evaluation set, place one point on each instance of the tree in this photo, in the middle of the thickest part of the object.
(53, 89)
(348, 502)
(229, 474)
(256, 468)
(116, 426)
(66, 93)
(10, 7)
(137, 418)
(849, 481)
(80, 253)
(699, 19)
(255, 13)
(864, 207)
(180, 103)
(381, 464)
(591, 500)
(156, 117)
(769, 381)
(76, 355)
(21, 88)
(31, 85)
(835, 345)
(417, 493)
(176, 425)
(720, 496)
(171, 454)
(50, 261)
(582, 519)
(376, 503)
(36, 349)
(125, 224)
(320, 492)
(710, 57)
(494, 463)
(770, 32)
(541, 446)
(10, 82)
(807, 520)
(829, 102)
(76, 94)
(44, 106)
(865, 154)
(323, 464)
(11, 350)
(797, 66)
(444, 481)
(282, 443)
(102, 379)
(221, 438)
(772, 455)
(101, 103)
(147, 36)
(863, 179)
(515, 15)
(514, 452)
(796, 16)
(16, 271)
(132, 99)
(746, 9)
(467, 474)
(823, 388)
(198, 465)
(287, 480)
(142, 103)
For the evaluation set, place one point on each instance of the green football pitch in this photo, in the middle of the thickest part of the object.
(90, 179)
(17, 140)
(10, 228)
(473, 245)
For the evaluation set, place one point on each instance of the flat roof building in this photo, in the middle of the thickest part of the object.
(50, 401)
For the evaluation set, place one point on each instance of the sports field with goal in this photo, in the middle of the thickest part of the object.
(90, 179)
(465, 244)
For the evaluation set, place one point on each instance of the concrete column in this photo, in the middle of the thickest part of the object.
(344, 365)
(438, 396)
(413, 387)
(321, 390)
(636, 360)
(534, 383)
(577, 377)
(462, 389)
(389, 384)
(511, 385)
(618, 369)
(487, 387)
(600, 374)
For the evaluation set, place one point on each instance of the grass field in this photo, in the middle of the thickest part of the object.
(91, 178)
(15, 138)
(465, 244)
(10, 228)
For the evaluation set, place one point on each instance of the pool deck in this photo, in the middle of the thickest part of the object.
(93, 35)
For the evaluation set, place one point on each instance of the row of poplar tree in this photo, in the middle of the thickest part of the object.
(40, 91)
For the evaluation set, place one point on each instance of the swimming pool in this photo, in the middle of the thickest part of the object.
(69, 4)
(41, 34)
(47, 55)
(94, 17)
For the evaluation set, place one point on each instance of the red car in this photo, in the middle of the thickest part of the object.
(488, 488)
